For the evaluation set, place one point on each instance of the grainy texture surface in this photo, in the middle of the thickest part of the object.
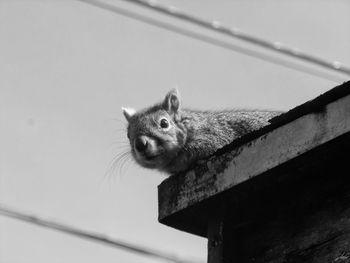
(283, 196)
(302, 220)
(255, 157)
(215, 239)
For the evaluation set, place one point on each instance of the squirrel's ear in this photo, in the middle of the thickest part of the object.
(128, 113)
(171, 101)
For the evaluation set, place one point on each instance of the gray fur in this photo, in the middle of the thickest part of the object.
(193, 135)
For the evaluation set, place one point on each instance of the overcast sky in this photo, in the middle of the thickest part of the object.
(66, 69)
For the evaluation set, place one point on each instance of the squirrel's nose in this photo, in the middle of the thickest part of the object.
(141, 144)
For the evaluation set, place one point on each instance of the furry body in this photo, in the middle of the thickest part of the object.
(190, 135)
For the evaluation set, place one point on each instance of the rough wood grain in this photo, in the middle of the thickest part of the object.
(280, 195)
(255, 157)
(309, 223)
(215, 239)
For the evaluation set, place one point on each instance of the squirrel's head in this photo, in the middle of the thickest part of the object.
(155, 133)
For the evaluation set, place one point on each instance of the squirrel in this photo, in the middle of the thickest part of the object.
(173, 139)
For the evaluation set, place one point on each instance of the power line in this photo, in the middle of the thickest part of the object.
(213, 41)
(217, 26)
(5, 211)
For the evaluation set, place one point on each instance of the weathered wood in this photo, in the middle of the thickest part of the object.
(255, 157)
(283, 196)
(215, 239)
(310, 223)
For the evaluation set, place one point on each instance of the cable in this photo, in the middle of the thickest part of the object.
(5, 211)
(213, 41)
(217, 26)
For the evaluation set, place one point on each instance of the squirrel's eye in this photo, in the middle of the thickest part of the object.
(164, 123)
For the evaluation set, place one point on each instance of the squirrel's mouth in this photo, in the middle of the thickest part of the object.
(150, 153)
(149, 159)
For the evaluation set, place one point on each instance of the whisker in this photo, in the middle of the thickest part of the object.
(120, 145)
(123, 162)
(118, 130)
(119, 161)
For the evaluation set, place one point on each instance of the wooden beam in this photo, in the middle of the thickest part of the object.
(215, 239)
(257, 156)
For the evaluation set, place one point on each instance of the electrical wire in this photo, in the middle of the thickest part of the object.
(217, 26)
(11, 213)
(214, 41)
